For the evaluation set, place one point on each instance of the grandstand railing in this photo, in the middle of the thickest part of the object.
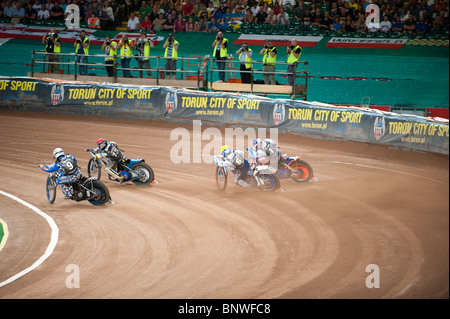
(196, 72)
(68, 69)
(297, 90)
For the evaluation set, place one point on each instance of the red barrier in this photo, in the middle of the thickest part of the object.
(438, 112)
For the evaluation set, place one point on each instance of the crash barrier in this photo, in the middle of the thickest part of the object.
(146, 102)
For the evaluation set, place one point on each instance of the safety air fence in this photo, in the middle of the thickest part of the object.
(311, 119)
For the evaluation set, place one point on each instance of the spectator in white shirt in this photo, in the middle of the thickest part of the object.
(386, 25)
(133, 22)
(283, 17)
(43, 14)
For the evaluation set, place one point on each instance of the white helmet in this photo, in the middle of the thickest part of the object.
(57, 153)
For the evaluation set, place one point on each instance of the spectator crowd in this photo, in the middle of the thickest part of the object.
(395, 16)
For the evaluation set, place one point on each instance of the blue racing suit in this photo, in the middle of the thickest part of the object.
(67, 170)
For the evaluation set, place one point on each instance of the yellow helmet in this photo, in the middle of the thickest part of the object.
(225, 150)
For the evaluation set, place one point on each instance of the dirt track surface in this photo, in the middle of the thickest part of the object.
(182, 238)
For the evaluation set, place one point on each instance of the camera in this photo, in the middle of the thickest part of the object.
(245, 47)
(267, 46)
(292, 47)
(78, 40)
(107, 42)
(218, 38)
(170, 38)
(125, 41)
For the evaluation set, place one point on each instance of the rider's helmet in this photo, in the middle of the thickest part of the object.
(225, 150)
(257, 143)
(57, 153)
(101, 143)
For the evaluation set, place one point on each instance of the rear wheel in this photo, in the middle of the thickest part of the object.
(221, 178)
(50, 188)
(145, 174)
(94, 168)
(100, 193)
(301, 171)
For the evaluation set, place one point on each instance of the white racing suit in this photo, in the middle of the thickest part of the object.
(239, 166)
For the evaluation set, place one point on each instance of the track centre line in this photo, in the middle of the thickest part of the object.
(51, 246)
(385, 169)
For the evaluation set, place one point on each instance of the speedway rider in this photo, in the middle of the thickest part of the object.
(266, 151)
(238, 162)
(67, 169)
(109, 150)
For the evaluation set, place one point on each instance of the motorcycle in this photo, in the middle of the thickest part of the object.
(89, 189)
(258, 176)
(290, 167)
(134, 170)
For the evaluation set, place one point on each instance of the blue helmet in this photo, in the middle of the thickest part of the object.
(256, 143)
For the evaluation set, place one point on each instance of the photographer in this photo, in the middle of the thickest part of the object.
(245, 57)
(269, 53)
(220, 54)
(52, 45)
(110, 48)
(126, 53)
(171, 53)
(143, 45)
(293, 53)
(82, 50)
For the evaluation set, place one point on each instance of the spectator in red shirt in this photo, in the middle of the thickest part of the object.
(147, 23)
(188, 8)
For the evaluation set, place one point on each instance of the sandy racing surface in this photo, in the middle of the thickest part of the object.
(182, 238)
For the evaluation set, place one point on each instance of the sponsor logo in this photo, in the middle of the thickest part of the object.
(57, 94)
(379, 128)
(279, 114)
(171, 102)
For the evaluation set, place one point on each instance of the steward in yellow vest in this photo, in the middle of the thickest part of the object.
(52, 45)
(245, 56)
(110, 48)
(126, 47)
(293, 53)
(143, 45)
(171, 53)
(269, 53)
(82, 50)
(220, 54)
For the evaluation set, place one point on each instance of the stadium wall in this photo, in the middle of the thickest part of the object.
(313, 119)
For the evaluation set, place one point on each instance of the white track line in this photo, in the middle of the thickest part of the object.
(385, 169)
(51, 246)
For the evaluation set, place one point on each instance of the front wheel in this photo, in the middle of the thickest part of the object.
(145, 174)
(100, 194)
(301, 171)
(270, 182)
(50, 188)
(221, 178)
(94, 168)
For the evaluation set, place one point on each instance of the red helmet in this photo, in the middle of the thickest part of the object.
(101, 143)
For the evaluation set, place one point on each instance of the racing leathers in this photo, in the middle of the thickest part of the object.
(114, 154)
(68, 172)
(239, 166)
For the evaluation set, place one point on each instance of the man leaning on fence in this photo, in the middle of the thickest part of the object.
(110, 48)
(52, 47)
(269, 53)
(82, 50)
